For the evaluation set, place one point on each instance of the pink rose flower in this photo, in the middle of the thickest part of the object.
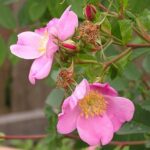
(40, 45)
(96, 111)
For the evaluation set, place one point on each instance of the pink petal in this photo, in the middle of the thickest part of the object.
(51, 48)
(95, 130)
(67, 24)
(40, 68)
(67, 119)
(104, 89)
(120, 110)
(41, 31)
(52, 27)
(25, 52)
(29, 38)
(80, 91)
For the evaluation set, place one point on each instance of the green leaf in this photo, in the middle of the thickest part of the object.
(119, 83)
(77, 7)
(122, 63)
(113, 71)
(55, 98)
(3, 50)
(146, 63)
(145, 19)
(139, 52)
(124, 148)
(12, 39)
(140, 6)
(116, 28)
(131, 72)
(145, 105)
(122, 3)
(6, 18)
(23, 14)
(56, 7)
(130, 15)
(126, 30)
(134, 128)
(37, 9)
(106, 26)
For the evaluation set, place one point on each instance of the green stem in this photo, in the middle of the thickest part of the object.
(83, 61)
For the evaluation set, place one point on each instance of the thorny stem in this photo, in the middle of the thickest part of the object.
(121, 16)
(101, 6)
(23, 137)
(132, 45)
(72, 136)
(78, 61)
(145, 37)
(108, 63)
(125, 143)
(137, 45)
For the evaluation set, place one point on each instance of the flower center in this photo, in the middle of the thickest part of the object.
(43, 42)
(93, 104)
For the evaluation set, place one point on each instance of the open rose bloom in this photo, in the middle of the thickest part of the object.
(41, 45)
(96, 111)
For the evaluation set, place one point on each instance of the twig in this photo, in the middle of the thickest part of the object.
(123, 143)
(78, 61)
(121, 16)
(143, 36)
(101, 6)
(108, 63)
(23, 137)
(137, 45)
(41, 136)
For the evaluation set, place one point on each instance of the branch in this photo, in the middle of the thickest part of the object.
(124, 143)
(108, 63)
(121, 15)
(23, 137)
(101, 6)
(81, 61)
(144, 36)
(137, 45)
(72, 136)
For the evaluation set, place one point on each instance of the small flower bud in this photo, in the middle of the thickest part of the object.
(69, 45)
(90, 11)
(66, 77)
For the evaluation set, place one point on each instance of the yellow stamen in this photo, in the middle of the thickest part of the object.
(43, 43)
(93, 104)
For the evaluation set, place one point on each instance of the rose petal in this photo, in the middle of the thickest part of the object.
(52, 27)
(40, 68)
(79, 92)
(67, 119)
(51, 48)
(119, 110)
(25, 52)
(104, 89)
(67, 24)
(41, 31)
(95, 130)
(29, 38)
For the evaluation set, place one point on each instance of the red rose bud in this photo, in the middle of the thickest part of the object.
(90, 11)
(69, 45)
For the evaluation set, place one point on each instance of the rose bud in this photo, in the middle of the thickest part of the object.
(90, 11)
(69, 45)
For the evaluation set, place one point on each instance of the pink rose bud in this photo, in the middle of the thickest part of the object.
(69, 45)
(90, 11)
